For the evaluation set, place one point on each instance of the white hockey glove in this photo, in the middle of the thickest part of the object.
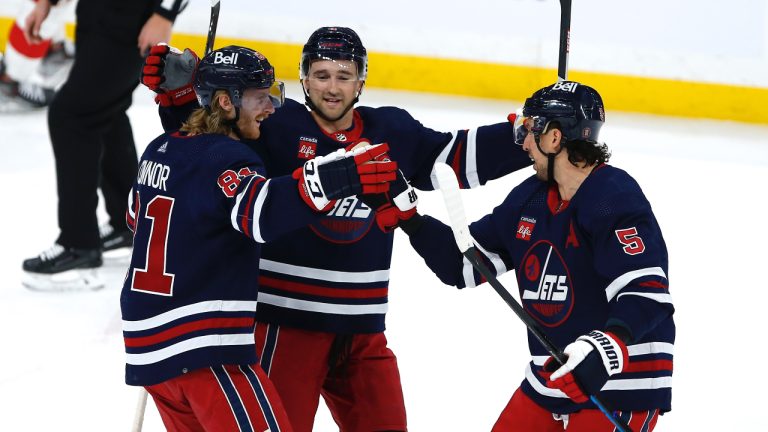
(592, 359)
(345, 173)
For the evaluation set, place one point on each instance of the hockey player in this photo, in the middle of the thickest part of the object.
(30, 73)
(591, 266)
(200, 208)
(324, 288)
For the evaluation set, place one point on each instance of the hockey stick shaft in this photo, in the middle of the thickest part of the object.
(449, 188)
(565, 39)
(215, 6)
(141, 406)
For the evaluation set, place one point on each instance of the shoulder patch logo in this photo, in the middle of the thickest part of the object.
(307, 148)
(525, 228)
(163, 148)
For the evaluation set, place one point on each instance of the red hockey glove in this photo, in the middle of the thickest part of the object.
(394, 207)
(592, 358)
(170, 73)
(344, 173)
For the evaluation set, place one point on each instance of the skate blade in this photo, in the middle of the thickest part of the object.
(120, 257)
(16, 106)
(71, 280)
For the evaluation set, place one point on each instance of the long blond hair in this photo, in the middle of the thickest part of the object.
(204, 121)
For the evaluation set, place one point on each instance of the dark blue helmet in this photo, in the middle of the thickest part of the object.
(577, 107)
(334, 43)
(235, 69)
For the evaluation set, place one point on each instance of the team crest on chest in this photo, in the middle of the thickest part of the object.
(348, 221)
(307, 148)
(545, 284)
(525, 228)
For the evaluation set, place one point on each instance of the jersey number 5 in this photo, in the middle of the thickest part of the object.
(632, 242)
(154, 278)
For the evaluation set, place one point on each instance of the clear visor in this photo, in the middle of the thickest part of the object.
(524, 124)
(277, 94)
(260, 98)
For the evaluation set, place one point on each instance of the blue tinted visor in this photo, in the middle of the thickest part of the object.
(524, 124)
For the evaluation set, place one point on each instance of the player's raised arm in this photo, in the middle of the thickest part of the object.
(170, 73)
(434, 241)
(264, 209)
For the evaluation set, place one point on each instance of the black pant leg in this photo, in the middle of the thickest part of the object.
(84, 119)
(118, 170)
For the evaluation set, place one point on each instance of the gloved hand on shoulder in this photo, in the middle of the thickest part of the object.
(170, 73)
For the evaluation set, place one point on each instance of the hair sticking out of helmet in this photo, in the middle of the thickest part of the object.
(577, 108)
(235, 69)
(334, 43)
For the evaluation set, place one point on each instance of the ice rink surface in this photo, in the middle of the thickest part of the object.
(461, 353)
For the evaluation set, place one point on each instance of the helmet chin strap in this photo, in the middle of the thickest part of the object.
(550, 160)
(233, 124)
(308, 102)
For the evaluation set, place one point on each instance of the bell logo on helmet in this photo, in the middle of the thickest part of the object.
(568, 86)
(221, 58)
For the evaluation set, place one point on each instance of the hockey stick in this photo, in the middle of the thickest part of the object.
(565, 39)
(215, 6)
(449, 187)
(141, 405)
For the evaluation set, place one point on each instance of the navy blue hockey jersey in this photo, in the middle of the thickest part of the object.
(333, 275)
(200, 208)
(595, 261)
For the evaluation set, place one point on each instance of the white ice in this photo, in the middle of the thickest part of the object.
(461, 353)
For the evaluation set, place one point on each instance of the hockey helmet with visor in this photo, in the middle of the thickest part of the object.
(235, 69)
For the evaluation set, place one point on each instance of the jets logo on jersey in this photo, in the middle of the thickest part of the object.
(163, 148)
(545, 285)
(307, 148)
(525, 228)
(347, 222)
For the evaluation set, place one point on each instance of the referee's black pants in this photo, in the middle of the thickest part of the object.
(91, 135)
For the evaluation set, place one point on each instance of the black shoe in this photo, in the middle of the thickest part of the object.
(59, 259)
(111, 239)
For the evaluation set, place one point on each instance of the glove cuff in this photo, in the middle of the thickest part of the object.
(176, 97)
(611, 349)
(319, 204)
(413, 224)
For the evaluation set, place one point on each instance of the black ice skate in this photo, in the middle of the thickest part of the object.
(63, 269)
(116, 246)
